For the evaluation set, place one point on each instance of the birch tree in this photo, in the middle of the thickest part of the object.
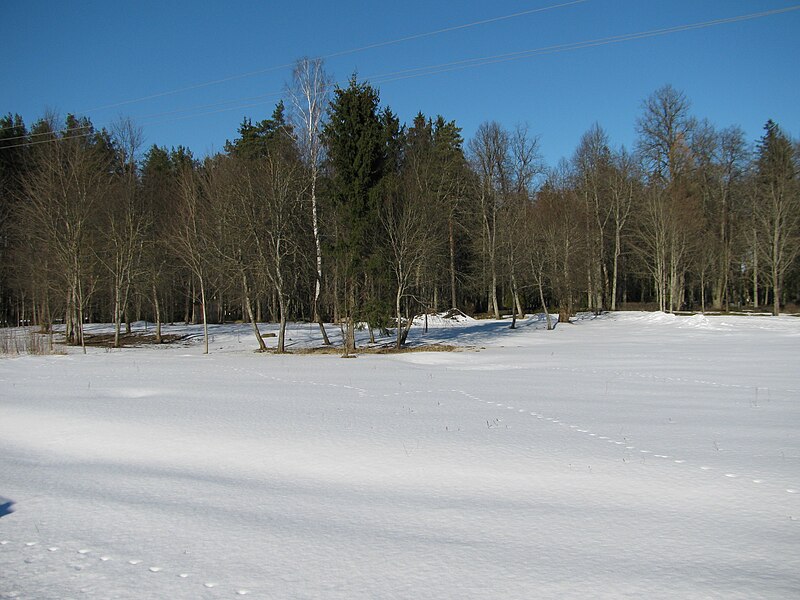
(310, 95)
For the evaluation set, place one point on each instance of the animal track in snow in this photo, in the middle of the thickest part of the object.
(575, 428)
(35, 555)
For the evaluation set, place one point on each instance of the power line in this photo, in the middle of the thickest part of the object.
(431, 70)
(337, 54)
(499, 58)
(331, 55)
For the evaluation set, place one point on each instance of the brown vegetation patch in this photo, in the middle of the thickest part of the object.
(384, 349)
(130, 340)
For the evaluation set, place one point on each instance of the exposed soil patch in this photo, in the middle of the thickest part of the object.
(383, 349)
(130, 340)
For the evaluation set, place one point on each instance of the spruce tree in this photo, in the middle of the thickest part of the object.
(357, 142)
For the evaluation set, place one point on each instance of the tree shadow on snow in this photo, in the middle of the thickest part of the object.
(478, 332)
(6, 506)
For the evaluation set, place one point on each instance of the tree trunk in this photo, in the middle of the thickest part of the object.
(349, 338)
(776, 296)
(544, 305)
(282, 327)
(451, 227)
(615, 269)
(157, 309)
(117, 316)
(755, 271)
(205, 319)
(248, 307)
(398, 297)
(493, 293)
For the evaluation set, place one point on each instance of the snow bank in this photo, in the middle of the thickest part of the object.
(444, 319)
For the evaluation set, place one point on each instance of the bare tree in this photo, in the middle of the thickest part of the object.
(592, 164)
(561, 233)
(69, 180)
(670, 210)
(310, 94)
(191, 238)
(282, 187)
(623, 182)
(777, 214)
(124, 221)
(489, 151)
(405, 214)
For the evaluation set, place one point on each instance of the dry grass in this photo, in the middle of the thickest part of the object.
(16, 341)
(383, 349)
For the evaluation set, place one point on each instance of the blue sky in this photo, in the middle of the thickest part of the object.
(90, 57)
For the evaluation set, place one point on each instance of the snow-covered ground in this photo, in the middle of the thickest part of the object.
(633, 455)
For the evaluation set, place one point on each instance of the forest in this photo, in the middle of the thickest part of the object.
(332, 211)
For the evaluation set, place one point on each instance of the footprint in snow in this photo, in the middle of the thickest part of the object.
(134, 562)
(210, 585)
(155, 569)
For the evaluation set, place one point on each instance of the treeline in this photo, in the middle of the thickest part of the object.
(331, 210)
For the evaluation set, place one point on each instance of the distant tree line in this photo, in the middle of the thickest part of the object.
(332, 211)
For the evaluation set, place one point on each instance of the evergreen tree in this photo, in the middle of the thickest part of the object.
(13, 136)
(257, 141)
(357, 138)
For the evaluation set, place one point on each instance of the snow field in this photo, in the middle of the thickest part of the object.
(627, 456)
